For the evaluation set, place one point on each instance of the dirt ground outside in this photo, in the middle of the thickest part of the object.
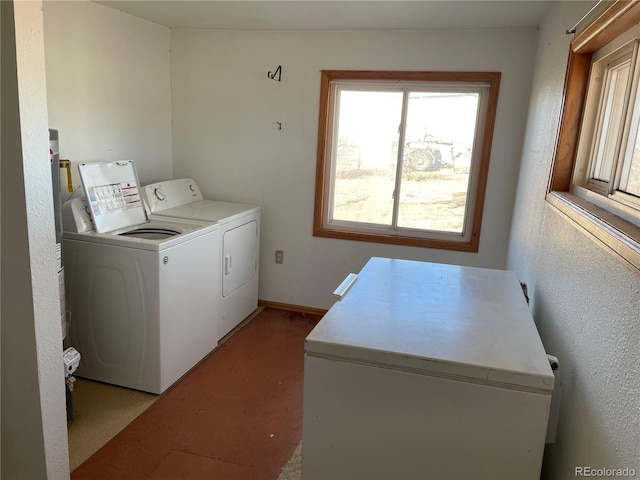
(431, 200)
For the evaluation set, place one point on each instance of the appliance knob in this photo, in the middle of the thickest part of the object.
(191, 187)
(165, 260)
(159, 194)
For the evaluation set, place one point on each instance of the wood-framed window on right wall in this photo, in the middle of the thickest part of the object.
(595, 175)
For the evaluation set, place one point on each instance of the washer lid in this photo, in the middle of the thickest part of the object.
(113, 191)
(211, 211)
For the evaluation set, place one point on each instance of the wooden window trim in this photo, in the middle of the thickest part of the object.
(319, 230)
(617, 236)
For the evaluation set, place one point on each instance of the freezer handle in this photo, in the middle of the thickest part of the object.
(346, 284)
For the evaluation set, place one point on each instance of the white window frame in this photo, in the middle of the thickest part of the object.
(606, 193)
(486, 84)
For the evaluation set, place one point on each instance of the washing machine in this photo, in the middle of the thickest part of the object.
(141, 292)
(239, 247)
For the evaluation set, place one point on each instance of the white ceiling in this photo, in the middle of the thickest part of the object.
(335, 14)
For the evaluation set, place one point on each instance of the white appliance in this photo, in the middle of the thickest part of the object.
(140, 292)
(426, 371)
(239, 247)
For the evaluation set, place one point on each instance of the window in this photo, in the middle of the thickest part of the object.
(403, 156)
(608, 155)
(595, 177)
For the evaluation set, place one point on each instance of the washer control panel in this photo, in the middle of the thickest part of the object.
(76, 216)
(159, 194)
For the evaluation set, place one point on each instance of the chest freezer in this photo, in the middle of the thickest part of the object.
(425, 370)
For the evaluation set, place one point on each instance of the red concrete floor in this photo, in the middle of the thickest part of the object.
(237, 415)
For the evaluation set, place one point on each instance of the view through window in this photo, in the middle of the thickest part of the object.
(432, 191)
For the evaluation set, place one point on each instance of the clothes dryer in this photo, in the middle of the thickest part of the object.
(239, 247)
(143, 311)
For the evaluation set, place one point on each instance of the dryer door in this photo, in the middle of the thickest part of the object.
(240, 256)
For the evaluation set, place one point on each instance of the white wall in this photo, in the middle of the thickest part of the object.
(34, 430)
(108, 87)
(224, 135)
(585, 303)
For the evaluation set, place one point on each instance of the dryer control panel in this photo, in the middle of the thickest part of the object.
(170, 194)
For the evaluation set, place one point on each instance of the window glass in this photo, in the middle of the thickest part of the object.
(366, 127)
(612, 117)
(630, 171)
(437, 158)
(630, 181)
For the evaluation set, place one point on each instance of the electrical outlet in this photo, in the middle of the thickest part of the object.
(279, 256)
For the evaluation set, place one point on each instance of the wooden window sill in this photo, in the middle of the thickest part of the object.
(614, 234)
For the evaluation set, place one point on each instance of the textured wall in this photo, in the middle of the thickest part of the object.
(34, 430)
(585, 303)
(108, 87)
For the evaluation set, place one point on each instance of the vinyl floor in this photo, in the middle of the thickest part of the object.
(237, 415)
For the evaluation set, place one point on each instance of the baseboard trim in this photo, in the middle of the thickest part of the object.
(291, 308)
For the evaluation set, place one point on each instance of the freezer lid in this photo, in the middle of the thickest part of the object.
(464, 323)
(113, 191)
